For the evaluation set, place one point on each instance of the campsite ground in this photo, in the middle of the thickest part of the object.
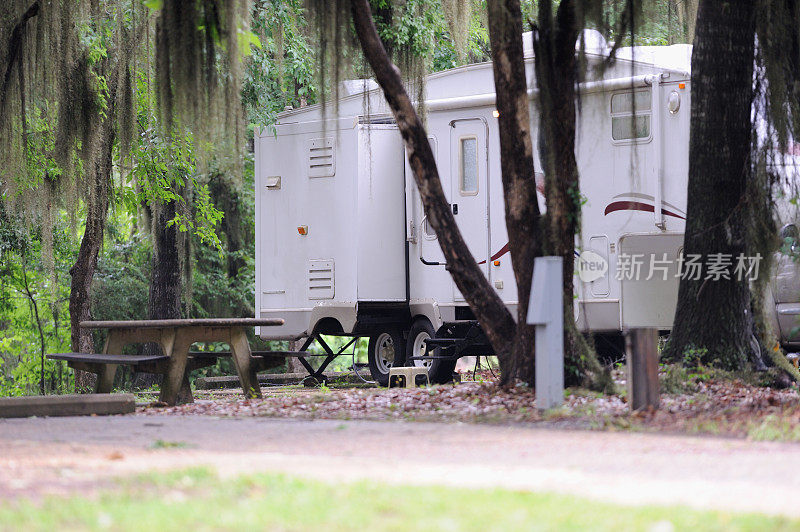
(61, 457)
(341, 448)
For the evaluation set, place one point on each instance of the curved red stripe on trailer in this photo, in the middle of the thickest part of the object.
(611, 207)
(637, 206)
(503, 251)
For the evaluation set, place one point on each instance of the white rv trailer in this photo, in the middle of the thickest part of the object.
(343, 245)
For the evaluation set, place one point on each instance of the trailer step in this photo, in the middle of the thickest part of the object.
(290, 354)
(443, 341)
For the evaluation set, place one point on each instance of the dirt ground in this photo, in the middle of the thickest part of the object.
(69, 455)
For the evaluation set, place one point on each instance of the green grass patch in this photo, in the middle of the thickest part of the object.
(164, 444)
(774, 428)
(199, 500)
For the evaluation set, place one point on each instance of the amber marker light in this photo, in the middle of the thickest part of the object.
(496, 263)
(681, 85)
(303, 230)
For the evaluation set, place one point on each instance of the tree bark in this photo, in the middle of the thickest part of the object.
(687, 17)
(226, 198)
(82, 272)
(712, 323)
(556, 76)
(164, 300)
(165, 283)
(519, 182)
(489, 309)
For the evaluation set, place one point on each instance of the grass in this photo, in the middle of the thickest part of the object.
(198, 499)
(774, 428)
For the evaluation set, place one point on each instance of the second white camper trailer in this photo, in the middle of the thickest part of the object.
(343, 245)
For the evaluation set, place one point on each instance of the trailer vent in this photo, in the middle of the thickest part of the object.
(321, 157)
(320, 279)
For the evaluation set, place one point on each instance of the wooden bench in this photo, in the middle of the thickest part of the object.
(93, 362)
(158, 364)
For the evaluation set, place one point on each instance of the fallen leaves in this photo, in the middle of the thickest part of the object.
(711, 406)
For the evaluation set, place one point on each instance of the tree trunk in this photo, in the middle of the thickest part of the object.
(491, 312)
(556, 76)
(164, 300)
(165, 284)
(226, 198)
(712, 323)
(82, 272)
(687, 17)
(519, 182)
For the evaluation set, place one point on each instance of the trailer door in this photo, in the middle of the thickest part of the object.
(469, 192)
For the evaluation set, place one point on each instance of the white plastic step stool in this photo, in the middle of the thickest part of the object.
(408, 377)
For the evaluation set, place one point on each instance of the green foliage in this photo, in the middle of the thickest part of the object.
(163, 168)
(674, 379)
(280, 72)
(32, 300)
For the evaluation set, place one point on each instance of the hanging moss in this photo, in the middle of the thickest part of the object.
(457, 14)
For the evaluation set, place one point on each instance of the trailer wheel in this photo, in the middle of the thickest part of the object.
(439, 371)
(386, 349)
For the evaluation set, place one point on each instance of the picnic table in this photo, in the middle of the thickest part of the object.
(175, 337)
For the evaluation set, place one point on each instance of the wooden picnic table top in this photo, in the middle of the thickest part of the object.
(180, 323)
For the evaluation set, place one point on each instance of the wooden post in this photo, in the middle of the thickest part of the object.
(642, 354)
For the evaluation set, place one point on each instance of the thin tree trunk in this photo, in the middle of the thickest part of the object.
(226, 198)
(35, 307)
(519, 182)
(491, 312)
(687, 17)
(712, 323)
(556, 75)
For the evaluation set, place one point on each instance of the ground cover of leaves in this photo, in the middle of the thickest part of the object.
(701, 404)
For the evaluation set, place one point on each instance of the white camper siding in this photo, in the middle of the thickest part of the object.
(293, 268)
(428, 282)
(676, 155)
(381, 206)
(502, 276)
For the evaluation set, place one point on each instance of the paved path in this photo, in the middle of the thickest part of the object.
(65, 454)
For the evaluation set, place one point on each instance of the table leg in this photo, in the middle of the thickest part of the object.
(105, 378)
(175, 387)
(107, 372)
(240, 349)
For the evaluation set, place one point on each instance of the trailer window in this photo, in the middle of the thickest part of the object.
(630, 115)
(469, 166)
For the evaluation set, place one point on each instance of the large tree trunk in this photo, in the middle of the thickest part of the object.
(712, 315)
(519, 182)
(491, 312)
(556, 76)
(165, 284)
(164, 300)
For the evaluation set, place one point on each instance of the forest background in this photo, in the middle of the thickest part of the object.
(210, 188)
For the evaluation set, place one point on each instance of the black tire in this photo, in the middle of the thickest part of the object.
(439, 371)
(379, 359)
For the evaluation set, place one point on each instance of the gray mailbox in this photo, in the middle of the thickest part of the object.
(546, 312)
